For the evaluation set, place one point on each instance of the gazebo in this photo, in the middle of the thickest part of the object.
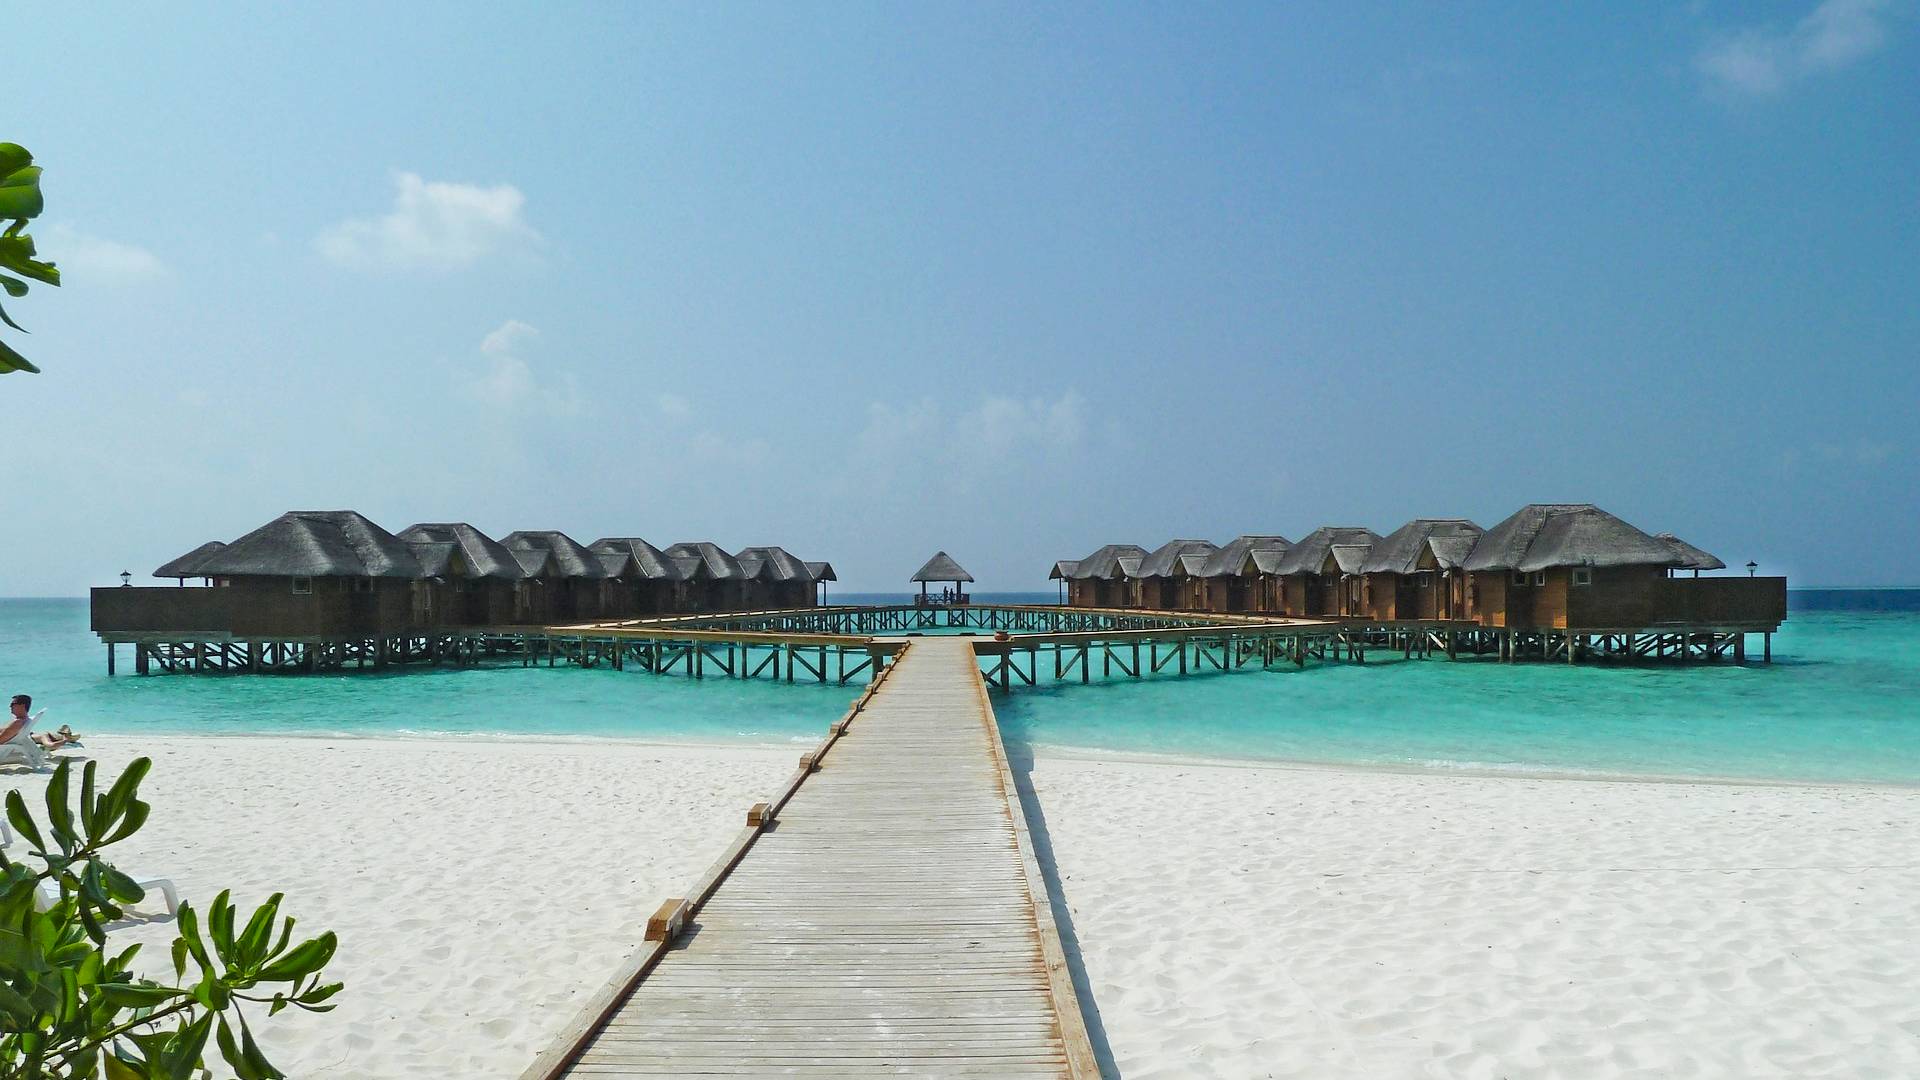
(942, 569)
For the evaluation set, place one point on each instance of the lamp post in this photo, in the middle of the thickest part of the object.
(126, 579)
(1751, 567)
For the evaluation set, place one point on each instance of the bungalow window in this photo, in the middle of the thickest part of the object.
(1583, 575)
(303, 586)
(1519, 577)
(1539, 577)
(1426, 579)
(363, 584)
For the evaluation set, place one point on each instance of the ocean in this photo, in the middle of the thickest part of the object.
(1840, 703)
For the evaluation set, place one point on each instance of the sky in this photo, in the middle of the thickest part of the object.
(867, 281)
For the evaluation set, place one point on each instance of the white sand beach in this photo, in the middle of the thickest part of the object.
(1234, 921)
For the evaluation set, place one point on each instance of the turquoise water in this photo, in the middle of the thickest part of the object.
(1841, 702)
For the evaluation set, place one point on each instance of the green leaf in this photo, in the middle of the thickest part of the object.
(220, 925)
(189, 927)
(86, 799)
(17, 815)
(17, 254)
(8, 319)
(11, 361)
(253, 941)
(13, 157)
(120, 1070)
(20, 193)
(14, 287)
(183, 1053)
(302, 960)
(179, 958)
(135, 996)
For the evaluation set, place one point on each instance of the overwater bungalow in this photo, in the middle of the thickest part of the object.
(1574, 566)
(774, 579)
(1164, 581)
(649, 582)
(942, 570)
(1315, 578)
(1691, 558)
(1239, 577)
(1104, 578)
(1062, 572)
(715, 579)
(1415, 571)
(821, 573)
(479, 580)
(577, 586)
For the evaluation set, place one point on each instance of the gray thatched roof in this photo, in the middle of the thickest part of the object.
(772, 564)
(535, 562)
(1190, 564)
(188, 565)
(1105, 563)
(941, 568)
(1691, 558)
(1547, 535)
(1399, 551)
(1231, 558)
(314, 543)
(1267, 560)
(1310, 553)
(1350, 557)
(1063, 569)
(1451, 551)
(719, 564)
(570, 560)
(822, 571)
(618, 565)
(1165, 559)
(653, 563)
(484, 556)
(691, 567)
(437, 558)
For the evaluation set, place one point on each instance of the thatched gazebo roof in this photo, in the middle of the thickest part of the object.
(1165, 559)
(1231, 558)
(717, 563)
(1106, 563)
(1399, 551)
(652, 563)
(1063, 570)
(1548, 535)
(570, 560)
(941, 568)
(1692, 558)
(484, 556)
(188, 565)
(822, 571)
(314, 543)
(1310, 554)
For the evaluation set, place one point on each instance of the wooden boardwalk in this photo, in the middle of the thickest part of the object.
(891, 921)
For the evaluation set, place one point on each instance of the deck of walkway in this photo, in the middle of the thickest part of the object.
(892, 921)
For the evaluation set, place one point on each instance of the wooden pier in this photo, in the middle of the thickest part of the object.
(883, 916)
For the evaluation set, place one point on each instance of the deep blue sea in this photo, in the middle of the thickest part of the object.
(1841, 702)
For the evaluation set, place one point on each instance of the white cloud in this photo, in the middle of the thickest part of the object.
(85, 259)
(673, 405)
(1763, 61)
(506, 381)
(434, 225)
(927, 445)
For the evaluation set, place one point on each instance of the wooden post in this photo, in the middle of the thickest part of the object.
(1740, 648)
(110, 658)
(1766, 647)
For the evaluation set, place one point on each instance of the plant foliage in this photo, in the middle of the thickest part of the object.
(73, 1008)
(19, 201)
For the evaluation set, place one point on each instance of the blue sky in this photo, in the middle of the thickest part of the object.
(867, 281)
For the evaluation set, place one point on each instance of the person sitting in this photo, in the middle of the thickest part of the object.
(19, 742)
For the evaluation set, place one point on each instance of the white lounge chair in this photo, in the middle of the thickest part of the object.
(49, 894)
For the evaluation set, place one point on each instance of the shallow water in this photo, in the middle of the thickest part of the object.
(1841, 702)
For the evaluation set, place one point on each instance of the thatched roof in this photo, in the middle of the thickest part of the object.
(1691, 558)
(188, 565)
(314, 543)
(484, 557)
(1231, 558)
(941, 568)
(536, 562)
(1451, 551)
(1547, 535)
(653, 563)
(1165, 559)
(1190, 564)
(719, 564)
(1350, 557)
(1310, 553)
(618, 565)
(1267, 560)
(691, 567)
(1105, 563)
(822, 571)
(772, 564)
(570, 560)
(1063, 569)
(1399, 551)
(438, 559)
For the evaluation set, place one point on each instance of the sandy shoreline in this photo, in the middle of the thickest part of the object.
(1232, 919)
